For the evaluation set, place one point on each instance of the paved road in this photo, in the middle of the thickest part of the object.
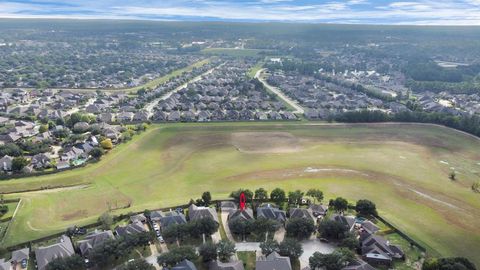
(311, 246)
(152, 104)
(279, 93)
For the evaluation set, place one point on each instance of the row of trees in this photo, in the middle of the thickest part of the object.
(278, 195)
(258, 227)
(469, 124)
(193, 229)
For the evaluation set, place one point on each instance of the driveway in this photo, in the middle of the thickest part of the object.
(311, 246)
(249, 246)
(224, 216)
(280, 234)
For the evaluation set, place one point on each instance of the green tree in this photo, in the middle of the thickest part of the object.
(334, 261)
(454, 263)
(350, 241)
(176, 255)
(19, 163)
(225, 250)
(43, 128)
(263, 225)
(366, 208)
(106, 221)
(236, 194)
(96, 152)
(67, 263)
(241, 226)
(316, 194)
(332, 229)
(106, 144)
(300, 228)
(295, 197)
(207, 198)
(291, 248)
(269, 246)
(339, 204)
(278, 196)
(261, 195)
(208, 251)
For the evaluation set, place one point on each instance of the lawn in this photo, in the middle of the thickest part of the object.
(402, 168)
(248, 258)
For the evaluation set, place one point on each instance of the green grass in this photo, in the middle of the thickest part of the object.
(221, 229)
(171, 163)
(232, 52)
(248, 258)
(251, 73)
(11, 210)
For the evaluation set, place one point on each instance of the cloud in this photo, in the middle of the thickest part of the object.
(441, 12)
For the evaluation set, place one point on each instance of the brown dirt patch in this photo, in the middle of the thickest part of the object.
(75, 215)
(265, 142)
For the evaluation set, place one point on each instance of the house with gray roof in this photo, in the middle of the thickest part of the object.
(273, 262)
(359, 265)
(218, 265)
(184, 265)
(92, 240)
(318, 209)
(62, 249)
(301, 213)
(19, 256)
(171, 218)
(133, 228)
(377, 250)
(347, 221)
(200, 212)
(6, 163)
(270, 212)
(40, 161)
(245, 214)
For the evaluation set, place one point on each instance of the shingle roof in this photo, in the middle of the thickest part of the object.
(184, 265)
(62, 249)
(271, 212)
(273, 262)
(217, 265)
(92, 240)
(20, 254)
(200, 212)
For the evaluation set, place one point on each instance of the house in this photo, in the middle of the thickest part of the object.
(5, 265)
(318, 209)
(72, 154)
(358, 265)
(20, 257)
(301, 213)
(246, 214)
(347, 221)
(139, 217)
(125, 116)
(270, 212)
(63, 165)
(40, 161)
(184, 265)
(218, 265)
(273, 262)
(200, 212)
(370, 227)
(133, 228)
(6, 163)
(228, 206)
(62, 249)
(172, 218)
(376, 250)
(92, 240)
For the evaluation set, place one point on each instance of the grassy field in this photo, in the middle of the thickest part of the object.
(403, 168)
(253, 71)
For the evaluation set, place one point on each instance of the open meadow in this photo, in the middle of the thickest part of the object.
(403, 168)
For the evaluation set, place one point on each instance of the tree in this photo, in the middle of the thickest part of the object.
(202, 226)
(43, 128)
(19, 163)
(261, 195)
(339, 204)
(332, 229)
(225, 249)
(452, 176)
(334, 261)
(278, 196)
(67, 263)
(96, 152)
(106, 144)
(316, 194)
(300, 228)
(138, 264)
(241, 226)
(236, 194)
(291, 248)
(350, 241)
(207, 198)
(208, 251)
(454, 263)
(106, 221)
(269, 246)
(366, 208)
(263, 225)
(295, 197)
(176, 255)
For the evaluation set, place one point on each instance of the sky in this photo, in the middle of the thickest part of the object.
(421, 12)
